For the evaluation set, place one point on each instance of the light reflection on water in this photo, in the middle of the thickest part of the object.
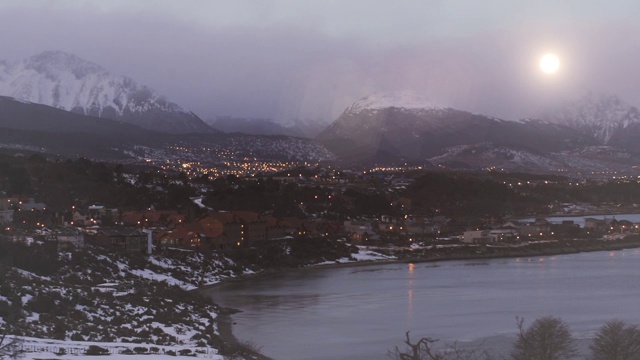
(360, 313)
(412, 270)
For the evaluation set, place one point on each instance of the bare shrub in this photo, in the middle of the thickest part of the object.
(616, 341)
(548, 338)
(240, 350)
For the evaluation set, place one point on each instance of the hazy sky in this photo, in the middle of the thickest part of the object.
(285, 59)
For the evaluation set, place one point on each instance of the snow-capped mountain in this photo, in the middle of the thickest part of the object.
(391, 128)
(402, 100)
(68, 82)
(379, 113)
(602, 116)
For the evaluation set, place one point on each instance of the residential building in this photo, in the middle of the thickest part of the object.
(224, 229)
(353, 225)
(489, 236)
(31, 205)
(595, 224)
(359, 236)
(6, 212)
(152, 218)
(126, 238)
(67, 237)
(477, 237)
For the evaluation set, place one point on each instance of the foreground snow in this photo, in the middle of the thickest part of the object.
(134, 299)
(118, 303)
(37, 349)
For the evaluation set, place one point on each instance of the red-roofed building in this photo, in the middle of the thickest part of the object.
(222, 230)
(152, 218)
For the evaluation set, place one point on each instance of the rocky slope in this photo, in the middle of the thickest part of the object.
(605, 117)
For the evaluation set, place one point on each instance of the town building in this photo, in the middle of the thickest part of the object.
(6, 212)
(125, 238)
(67, 237)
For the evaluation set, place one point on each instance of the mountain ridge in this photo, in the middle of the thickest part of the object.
(603, 116)
(67, 82)
(253, 126)
(443, 135)
(404, 100)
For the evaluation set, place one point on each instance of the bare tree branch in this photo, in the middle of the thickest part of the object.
(9, 347)
(423, 350)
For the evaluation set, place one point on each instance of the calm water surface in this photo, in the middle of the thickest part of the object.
(361, 312)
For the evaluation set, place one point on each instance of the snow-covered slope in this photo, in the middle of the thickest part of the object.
(380, 113)
(68, 82)
(401, 100)
(599, 115)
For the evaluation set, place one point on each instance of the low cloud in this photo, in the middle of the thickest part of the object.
(286, 70)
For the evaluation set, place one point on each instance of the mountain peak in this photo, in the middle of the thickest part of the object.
(597, 114)
(53, 62)
(66, 81)
(402, 100)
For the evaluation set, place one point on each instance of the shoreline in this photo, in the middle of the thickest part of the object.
(588, 213)
(608, 246)
(224, 324)
(225, 320)
(610, 213)
(501, 345)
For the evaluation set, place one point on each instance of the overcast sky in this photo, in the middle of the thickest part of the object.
(310, 59)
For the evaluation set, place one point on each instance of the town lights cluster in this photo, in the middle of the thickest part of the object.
(392, 169)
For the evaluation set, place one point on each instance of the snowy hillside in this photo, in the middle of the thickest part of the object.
(381, 113)
(599, 115)
(96, 297)
(68, 82)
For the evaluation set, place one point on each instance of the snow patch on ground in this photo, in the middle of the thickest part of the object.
(365, 253)
(148, 274)
(198, 202)
(38, 349)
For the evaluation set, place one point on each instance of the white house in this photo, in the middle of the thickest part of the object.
(488, 236)
(476, 236)
(6, 213)
(68, 236)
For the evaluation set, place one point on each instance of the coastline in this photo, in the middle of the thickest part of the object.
(501, 345)
(582, 214)
(512, 253)
(225, 320)
(236, 346)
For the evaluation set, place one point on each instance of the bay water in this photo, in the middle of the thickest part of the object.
(362, 312)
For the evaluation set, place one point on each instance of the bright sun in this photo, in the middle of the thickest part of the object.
(549, 63)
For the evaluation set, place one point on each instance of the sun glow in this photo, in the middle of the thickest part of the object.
(549, 63)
